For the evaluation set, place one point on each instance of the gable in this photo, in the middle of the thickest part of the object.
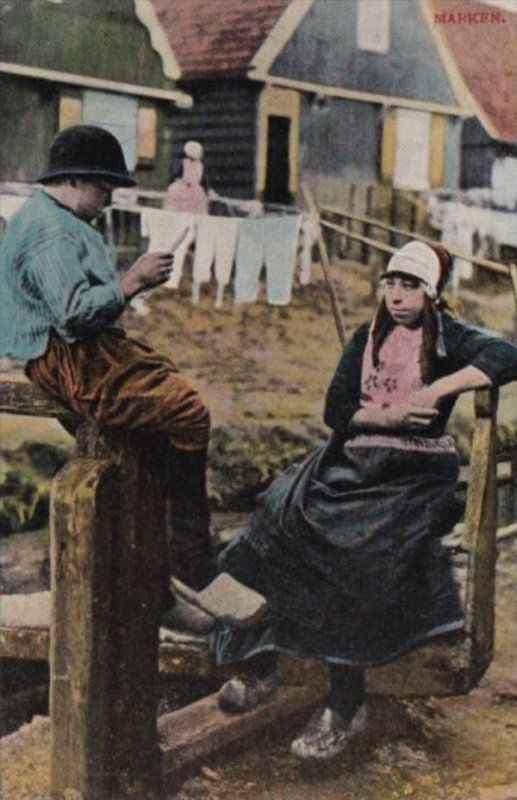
(324, 50)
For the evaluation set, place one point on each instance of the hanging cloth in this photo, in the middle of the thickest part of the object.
(270, 241)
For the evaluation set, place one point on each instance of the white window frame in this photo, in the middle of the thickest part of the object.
(373, 25)
(412, 149)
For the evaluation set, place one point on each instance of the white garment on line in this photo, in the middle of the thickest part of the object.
(216, 242)
(309, 232)
(270, 241)
(163, 229)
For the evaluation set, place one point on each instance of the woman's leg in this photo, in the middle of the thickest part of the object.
(347, 692)
(258, 681)
(330, 729)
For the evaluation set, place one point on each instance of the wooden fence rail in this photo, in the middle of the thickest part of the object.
(369, 222)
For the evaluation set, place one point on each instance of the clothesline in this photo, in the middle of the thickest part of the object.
(226, 247)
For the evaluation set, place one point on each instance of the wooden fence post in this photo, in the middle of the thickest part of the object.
(108, 546)
(480, 530)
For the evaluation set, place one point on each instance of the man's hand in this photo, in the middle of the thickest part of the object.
(149, 270)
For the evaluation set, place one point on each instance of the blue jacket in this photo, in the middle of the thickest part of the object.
(55, 272)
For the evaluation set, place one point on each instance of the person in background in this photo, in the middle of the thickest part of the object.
(61, 301)
(346, 547)
(186, 193)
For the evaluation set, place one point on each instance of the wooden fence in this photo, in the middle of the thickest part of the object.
(389, 238)
(107, 555)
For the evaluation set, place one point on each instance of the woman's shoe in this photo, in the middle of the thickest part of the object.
(327, 734)
(246, 692)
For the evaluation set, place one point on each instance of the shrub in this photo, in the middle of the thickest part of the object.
(243, 462)
(27, 473)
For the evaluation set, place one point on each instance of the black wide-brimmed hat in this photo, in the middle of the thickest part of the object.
(87, 150)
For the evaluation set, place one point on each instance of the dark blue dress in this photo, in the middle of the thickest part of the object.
(347, 546)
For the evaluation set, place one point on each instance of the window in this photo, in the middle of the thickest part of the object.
(70, 110)
(146, 134)
(373, 25)
(134, 125)
(412, 149)
(116, 113)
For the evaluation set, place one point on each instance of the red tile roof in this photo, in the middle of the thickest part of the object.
(216, 37)
(486, 56)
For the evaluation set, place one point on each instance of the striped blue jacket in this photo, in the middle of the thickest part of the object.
(55, 273)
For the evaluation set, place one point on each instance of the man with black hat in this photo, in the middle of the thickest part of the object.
(61, 298)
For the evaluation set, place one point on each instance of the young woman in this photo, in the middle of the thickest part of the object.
(347, 546)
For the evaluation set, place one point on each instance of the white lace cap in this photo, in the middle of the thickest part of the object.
(419, 261)
(193, 150)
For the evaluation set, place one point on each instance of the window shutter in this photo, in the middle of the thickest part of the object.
(437, 150)
(389, 140)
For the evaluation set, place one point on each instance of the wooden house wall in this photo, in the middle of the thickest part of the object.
(224, 119)
(87, 37)
(478, 153)
(29, 122)
(324, 45)
(340, 137)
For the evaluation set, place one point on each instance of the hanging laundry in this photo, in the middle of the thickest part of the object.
(216, 242)
(504, 183)
(270, 241)
(163, 229)
(309, 232)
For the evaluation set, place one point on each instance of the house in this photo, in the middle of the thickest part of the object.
(480, 54)
(65, 62)
(372, 91)
(213, 44)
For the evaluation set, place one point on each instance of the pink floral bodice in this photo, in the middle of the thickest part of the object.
(398, 374)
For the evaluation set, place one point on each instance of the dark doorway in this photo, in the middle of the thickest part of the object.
(277, 170)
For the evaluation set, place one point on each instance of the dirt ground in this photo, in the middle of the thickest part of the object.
(264, 366)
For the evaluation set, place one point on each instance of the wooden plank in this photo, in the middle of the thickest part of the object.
(17, 397)
(107, 559)
(494, 266)
(200, 729)
(139, 558)
(513, 276)
(480, 530)
(83, 502)
(386, 248)
(440, 667)
(327, 270)
(24, 643)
